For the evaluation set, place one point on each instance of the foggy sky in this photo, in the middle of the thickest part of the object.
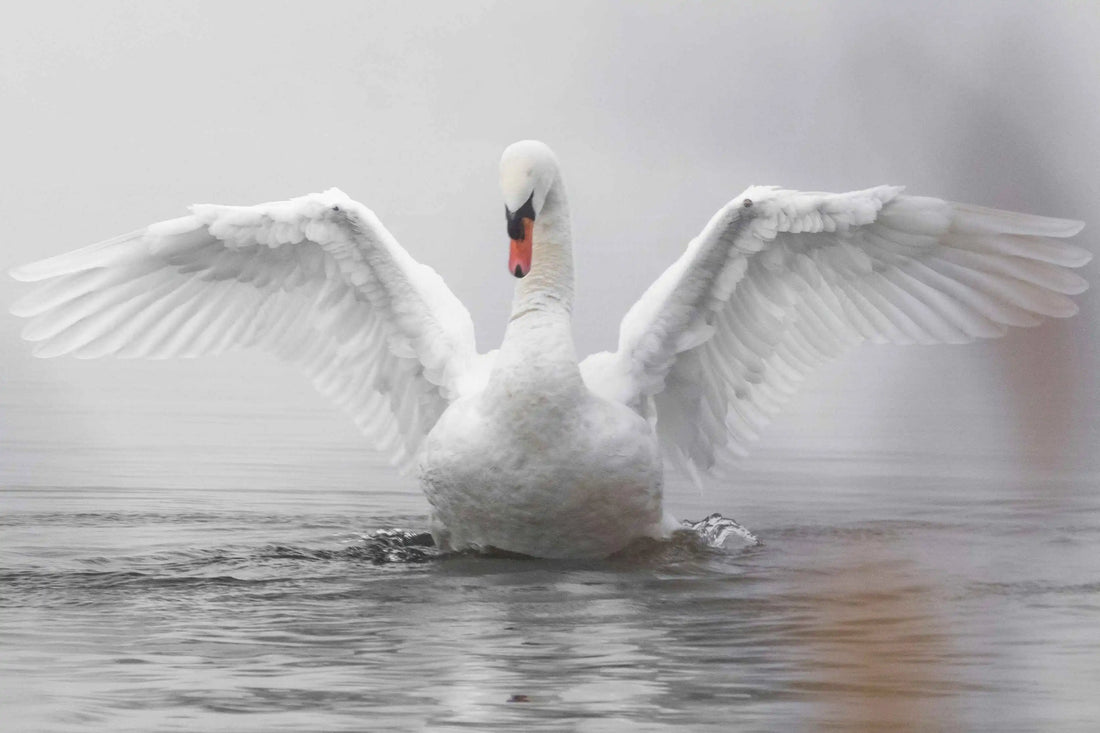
(116, 115)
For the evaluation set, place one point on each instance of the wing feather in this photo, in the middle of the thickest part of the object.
(316, 280)
(786, 281)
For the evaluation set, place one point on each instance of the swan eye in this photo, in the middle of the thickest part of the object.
(747, 203)
(515, 218)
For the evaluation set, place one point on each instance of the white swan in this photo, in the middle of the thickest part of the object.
(523, 449)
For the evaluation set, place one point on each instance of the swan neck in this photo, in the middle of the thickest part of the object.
(549, 284)
(538, 343)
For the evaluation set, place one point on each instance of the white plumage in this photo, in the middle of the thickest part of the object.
(777, 283)
(770, 290)
(316, 280)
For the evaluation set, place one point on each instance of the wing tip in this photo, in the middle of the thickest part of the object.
(1073, 226)
(1084, 257)
(25, 273)
(975, 219)
(1071, 255)
(20, 309)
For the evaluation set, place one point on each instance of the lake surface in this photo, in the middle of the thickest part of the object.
(925, 604)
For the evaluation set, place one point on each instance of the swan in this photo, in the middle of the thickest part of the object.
(525, 449)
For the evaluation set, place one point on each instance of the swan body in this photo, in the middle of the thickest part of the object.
(525, 449)
(561, 473)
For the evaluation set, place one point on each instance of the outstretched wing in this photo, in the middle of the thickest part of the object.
(316, 280)
(781, 281)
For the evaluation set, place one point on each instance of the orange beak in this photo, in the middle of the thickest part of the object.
(519, 258)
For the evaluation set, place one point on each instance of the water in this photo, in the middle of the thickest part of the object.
(921, 604)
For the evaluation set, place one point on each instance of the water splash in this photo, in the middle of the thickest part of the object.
(395, 546)
(715, 530)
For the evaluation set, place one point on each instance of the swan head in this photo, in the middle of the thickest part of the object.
(528, 170)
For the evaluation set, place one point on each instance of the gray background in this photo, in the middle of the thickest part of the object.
(116, 115)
